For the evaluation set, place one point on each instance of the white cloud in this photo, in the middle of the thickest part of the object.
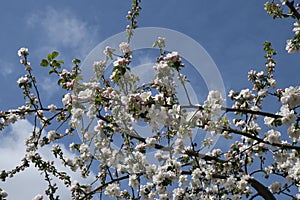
(49, 86)
(29, 183)
(6, 68)
(63, 31)
(61, 28)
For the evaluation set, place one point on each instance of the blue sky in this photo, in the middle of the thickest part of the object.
(231, 31)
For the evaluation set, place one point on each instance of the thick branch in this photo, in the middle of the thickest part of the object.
(101, 187)
(261, 113)
(293, 9)
(283, 146)
(261, 189)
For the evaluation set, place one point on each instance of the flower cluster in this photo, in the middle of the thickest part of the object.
(132, 16)
(139, 141)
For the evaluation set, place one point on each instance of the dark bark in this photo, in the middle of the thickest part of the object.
(261, 189)
(293, 9)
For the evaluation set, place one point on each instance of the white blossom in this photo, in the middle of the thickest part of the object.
(124, 48)
(214, 102)
(269, 121)
(291, 97)
(22, 51)
(85, 95)
(52, 135)
(109, 52)
(68, 99)
(296, 28)
(273, 136)
(133, 180)
(38, 197)
(112, 190)
(160, 42)
(99, 68)
(294, 133)
(52, 108)
(22, 80)
(288, 116)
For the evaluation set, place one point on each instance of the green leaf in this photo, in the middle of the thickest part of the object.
(60, 61)
(51, 71)
(69, 109)
(44, 63)
(76, 61)
(60, 81)
(49, 57)
(54, 54)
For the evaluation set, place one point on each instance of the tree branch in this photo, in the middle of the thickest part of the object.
(261, 189)
(283, 146)
(261, 113)
(293, 9)
(101, 187)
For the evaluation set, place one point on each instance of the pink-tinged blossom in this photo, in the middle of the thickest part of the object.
(245, 94)
(140, 147)
(121, 61)
(173, 56)
(3, 194)
(74, 186)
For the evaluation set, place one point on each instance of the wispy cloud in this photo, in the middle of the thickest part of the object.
(49, 86)
(62, 29)
(6, 68)
(30, 182)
